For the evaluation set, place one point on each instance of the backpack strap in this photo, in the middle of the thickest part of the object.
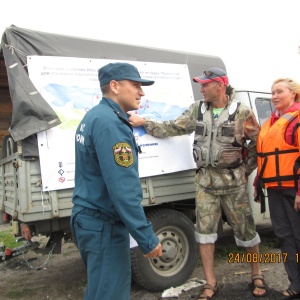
(233, 108)
(203, 107)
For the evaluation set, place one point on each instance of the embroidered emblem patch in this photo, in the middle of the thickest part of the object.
(123, 154)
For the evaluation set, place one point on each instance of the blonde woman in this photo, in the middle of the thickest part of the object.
(278, 148)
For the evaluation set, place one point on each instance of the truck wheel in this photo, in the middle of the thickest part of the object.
(180, 252)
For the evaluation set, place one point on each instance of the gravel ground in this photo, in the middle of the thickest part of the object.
(234, 278)
(64, 276)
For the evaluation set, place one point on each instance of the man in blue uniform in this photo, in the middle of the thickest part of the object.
(107, 194)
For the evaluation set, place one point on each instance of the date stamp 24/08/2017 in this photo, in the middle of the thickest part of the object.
(259, 257)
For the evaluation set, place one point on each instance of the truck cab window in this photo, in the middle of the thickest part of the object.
(264, 108)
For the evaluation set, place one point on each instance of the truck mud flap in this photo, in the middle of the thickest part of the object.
(55, 242)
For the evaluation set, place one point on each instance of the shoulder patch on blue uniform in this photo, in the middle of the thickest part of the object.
(123, 154)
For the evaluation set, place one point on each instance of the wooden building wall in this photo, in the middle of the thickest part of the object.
(5, 102)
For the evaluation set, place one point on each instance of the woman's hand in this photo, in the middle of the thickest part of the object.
(256, 197)
(297, 203)
(255, 193)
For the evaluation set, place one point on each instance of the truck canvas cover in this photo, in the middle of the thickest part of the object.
(31, 113)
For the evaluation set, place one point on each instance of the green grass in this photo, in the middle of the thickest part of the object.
(20, 293)
(8, 239)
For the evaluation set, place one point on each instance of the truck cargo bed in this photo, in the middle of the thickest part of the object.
(22, 196)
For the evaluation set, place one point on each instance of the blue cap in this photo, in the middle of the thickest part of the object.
(120, 71)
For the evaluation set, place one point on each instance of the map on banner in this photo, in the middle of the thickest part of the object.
(71, 87)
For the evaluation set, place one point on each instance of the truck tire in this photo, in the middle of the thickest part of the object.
(180, 252)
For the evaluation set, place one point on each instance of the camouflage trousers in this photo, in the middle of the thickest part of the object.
(237, 208)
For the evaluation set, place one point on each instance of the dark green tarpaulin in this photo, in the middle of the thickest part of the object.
(31, 113)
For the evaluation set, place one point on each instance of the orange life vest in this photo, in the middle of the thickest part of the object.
(277, 160)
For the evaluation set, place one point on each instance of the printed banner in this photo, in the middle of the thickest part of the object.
(71, 87)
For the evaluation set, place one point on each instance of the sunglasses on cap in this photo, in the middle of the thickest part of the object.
(209, 74)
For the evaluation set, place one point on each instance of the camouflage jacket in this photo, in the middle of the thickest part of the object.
(246, 129)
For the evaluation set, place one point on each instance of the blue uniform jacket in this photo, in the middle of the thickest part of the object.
(106, 171)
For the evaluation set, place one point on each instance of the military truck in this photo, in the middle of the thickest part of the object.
(168, 199)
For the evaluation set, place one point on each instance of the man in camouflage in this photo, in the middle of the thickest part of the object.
(225, 153)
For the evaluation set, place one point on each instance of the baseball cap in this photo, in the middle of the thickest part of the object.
(120, 71)
(213, 74)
